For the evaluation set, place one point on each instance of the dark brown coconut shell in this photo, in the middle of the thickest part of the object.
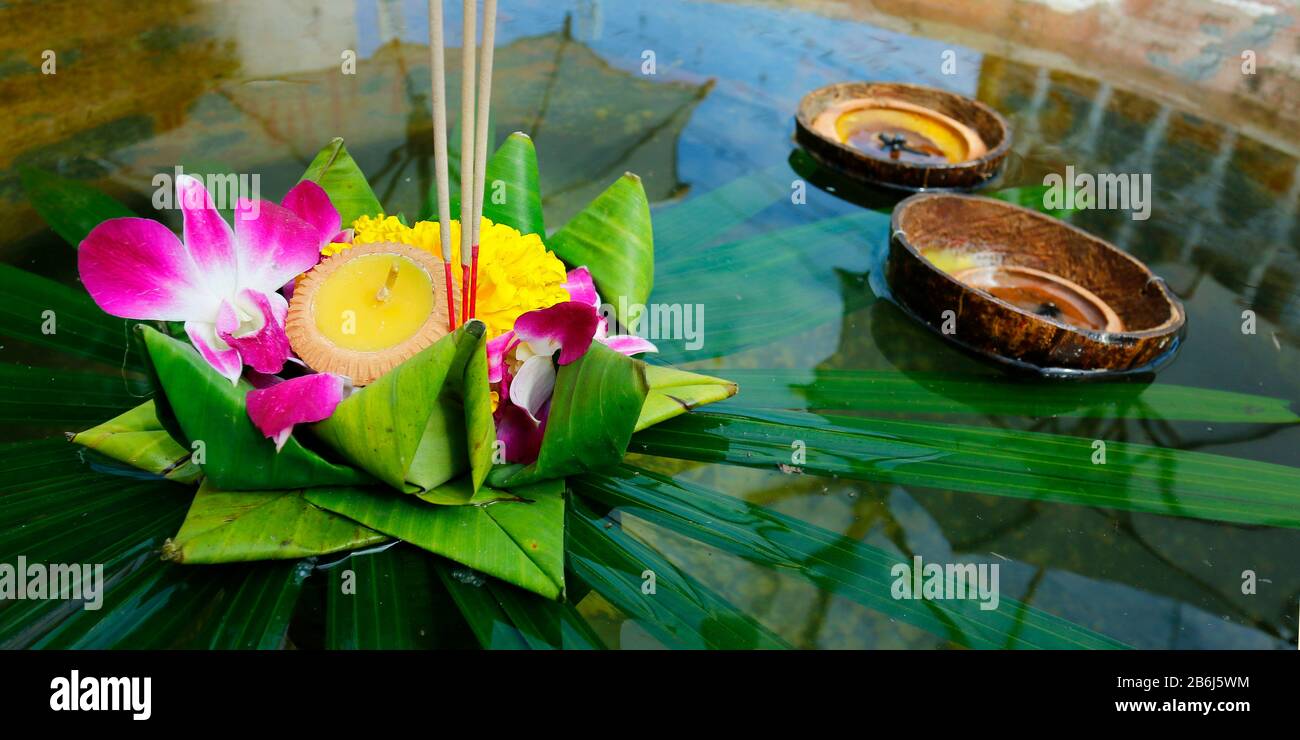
(988, 123)
(1153, 317)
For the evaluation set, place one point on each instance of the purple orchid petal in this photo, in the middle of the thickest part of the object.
(274, 245)
(532, 386)
(275, 410)
(137, 269)
(520, 434)
(309, 202)
(260, 338)
(628, 344)
(223, 358)
(581, 287)
(567, 326)
(208, 238)
(496, 355)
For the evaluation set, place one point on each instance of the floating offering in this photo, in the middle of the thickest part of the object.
(363, 311)
(1023, 288)
(332, 393)
(903, 135)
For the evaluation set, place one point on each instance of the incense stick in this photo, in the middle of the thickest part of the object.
(437, 64)
(480, 141)
(467, 150)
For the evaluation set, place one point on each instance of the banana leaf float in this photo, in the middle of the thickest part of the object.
(456, 438)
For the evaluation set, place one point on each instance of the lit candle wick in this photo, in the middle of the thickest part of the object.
(386, 291)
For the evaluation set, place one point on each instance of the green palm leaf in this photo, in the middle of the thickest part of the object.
(949, 393)
(71, 207)
(390, 600)
(681, 613)
(1031, 465)
(835, 563)
(78, 326)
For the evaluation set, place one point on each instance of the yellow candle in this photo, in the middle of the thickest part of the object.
(373, 302)
(897, 129)
(365, 310)
(922, 137)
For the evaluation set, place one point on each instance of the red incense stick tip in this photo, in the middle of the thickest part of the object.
(464, 290)
(451, 300)
(473, 282)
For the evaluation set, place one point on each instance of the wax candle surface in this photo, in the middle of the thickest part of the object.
(353, 310)
(926, 139)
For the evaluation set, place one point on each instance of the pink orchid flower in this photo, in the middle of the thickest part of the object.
(523, 361)
(221, 282)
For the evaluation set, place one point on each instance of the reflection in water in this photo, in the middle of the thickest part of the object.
(220, 86)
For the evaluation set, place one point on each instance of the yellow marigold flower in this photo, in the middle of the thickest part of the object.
(516, 272)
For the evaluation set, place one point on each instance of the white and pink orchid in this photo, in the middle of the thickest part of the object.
(522, 362)
(222, 282)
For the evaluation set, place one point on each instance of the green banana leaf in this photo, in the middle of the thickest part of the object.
(612, 237)
(516, 201)
(235, 526)
(426, 421)
(138, 439)
(70, 207)
(340, 177)
(673, 392)
(520, 542)
(594, 408)
(211, 416)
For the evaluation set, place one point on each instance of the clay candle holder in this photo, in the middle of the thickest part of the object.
(367, 309)
(1027, 289)
(906, 136)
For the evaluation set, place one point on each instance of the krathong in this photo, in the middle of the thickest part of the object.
(461, 447)
(330, 383)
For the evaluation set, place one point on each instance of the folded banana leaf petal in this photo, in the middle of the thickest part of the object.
(518, 204)
(234, 526)
(674, 392)
(460, 492)
(612, 237)
(520, 542)
(340, 177)
(425, 422)
(594, 409)
(210, 415)
(138, 439)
